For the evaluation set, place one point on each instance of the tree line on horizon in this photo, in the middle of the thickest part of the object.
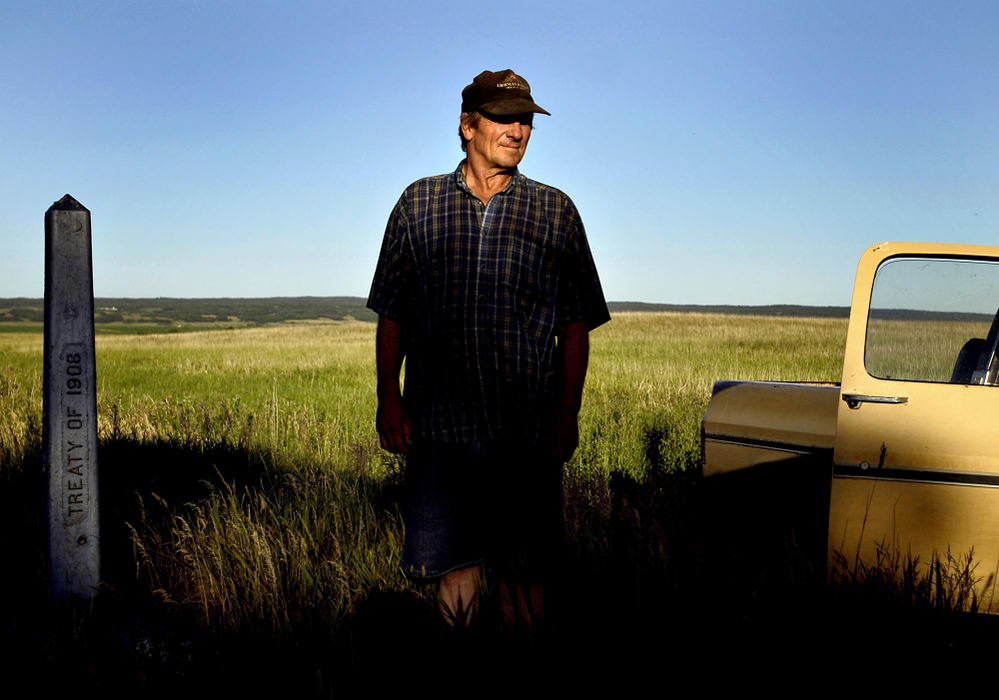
(264, 310)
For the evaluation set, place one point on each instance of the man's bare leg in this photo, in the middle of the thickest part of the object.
(458, 595)
(522, 607)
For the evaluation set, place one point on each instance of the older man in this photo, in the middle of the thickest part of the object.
(486, 286)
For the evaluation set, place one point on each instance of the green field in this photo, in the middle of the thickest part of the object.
(919, 350)
(251, 520)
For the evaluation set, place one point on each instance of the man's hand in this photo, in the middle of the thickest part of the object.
(566, 433)
(574, 345)
(394, 429)
(393, 426)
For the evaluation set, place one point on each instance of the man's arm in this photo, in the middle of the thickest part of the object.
(575, 343)
(392, 422)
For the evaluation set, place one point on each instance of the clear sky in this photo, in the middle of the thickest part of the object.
(719, 152)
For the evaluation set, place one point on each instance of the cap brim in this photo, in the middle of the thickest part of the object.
(518, 106)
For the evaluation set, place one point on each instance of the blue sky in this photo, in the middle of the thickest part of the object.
(719, 152)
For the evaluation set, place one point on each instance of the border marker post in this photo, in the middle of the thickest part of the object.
(70, 403)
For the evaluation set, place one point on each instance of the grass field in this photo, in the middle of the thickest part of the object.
(251, 524)
(918, 350)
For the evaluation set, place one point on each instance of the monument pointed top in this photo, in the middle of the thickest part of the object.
(67, 203)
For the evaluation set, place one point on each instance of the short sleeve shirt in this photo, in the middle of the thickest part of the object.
(480, 292)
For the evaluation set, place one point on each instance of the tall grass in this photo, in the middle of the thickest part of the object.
(918, 350)
(947, 582)
(293, 551)
(246, 466)
(245, 500)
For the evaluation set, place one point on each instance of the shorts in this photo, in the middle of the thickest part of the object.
(483, 503)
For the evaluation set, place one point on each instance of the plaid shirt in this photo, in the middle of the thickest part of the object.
(480, 291)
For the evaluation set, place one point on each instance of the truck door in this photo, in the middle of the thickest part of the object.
(916, 464)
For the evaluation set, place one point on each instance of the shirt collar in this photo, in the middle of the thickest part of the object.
(459, 175)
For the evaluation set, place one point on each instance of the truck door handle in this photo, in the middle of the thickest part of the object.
(854, 400)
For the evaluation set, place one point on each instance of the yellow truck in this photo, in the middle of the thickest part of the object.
(906, 446)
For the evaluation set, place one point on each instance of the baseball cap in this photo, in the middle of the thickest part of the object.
(502, 92)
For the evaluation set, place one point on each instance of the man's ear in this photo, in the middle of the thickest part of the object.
(466, 130)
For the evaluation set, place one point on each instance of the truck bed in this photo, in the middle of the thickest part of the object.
(752, 423)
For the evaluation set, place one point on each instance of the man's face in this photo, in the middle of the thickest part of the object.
(499, 141)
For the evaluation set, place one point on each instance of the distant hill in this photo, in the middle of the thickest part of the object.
(770, 310)
(167, 311)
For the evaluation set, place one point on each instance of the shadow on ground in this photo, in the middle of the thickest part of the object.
(678, 579)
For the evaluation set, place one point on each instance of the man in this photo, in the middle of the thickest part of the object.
(485, 284)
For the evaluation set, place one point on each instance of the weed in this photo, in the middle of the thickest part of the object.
(946, 582)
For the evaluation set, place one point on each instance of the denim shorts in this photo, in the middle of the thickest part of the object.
(482, 503)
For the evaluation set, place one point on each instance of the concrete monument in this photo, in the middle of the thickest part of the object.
(70, 402)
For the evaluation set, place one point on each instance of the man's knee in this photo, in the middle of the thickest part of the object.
(459, 594)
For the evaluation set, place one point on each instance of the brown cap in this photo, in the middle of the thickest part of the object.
(503, 92)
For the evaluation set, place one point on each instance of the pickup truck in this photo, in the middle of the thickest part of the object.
(901, 458)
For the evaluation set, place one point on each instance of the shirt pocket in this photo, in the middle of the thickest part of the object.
(530, 273)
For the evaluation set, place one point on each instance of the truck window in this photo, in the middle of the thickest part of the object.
(933, 320)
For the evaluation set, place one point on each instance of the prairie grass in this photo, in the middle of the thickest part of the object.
(243, 489)
(918, 350)
(947, 582)
(276, 425)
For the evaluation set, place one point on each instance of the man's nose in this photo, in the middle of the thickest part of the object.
(515, 131)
